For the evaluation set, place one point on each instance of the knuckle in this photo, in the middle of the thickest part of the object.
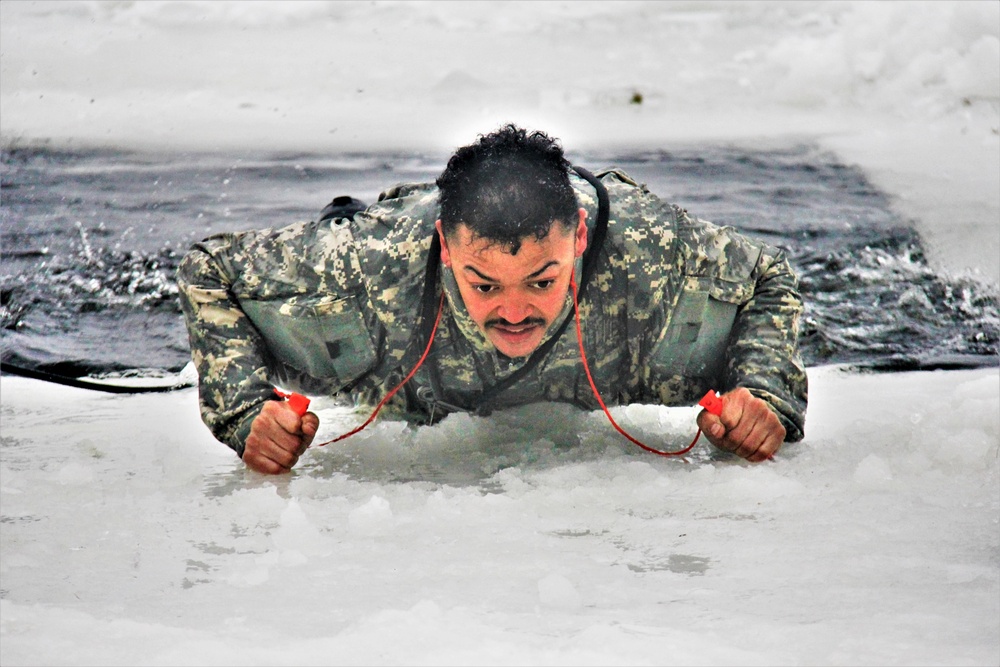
(742, 394)
(288, 457)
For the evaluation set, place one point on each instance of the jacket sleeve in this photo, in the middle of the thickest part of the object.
(763, 348)
(226, 348)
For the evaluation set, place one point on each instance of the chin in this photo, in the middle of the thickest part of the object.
(514, 351)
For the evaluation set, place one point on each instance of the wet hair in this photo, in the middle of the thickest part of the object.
(508, 186)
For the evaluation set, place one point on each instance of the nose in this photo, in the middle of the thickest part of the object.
(514, 309)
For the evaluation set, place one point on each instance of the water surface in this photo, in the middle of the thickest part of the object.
(91, 242)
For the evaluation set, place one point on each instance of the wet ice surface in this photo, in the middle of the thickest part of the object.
(537, 535)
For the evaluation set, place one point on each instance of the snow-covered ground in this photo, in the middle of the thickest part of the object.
(537, 536)
(533, 537)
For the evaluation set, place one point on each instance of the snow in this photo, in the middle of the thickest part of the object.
(537, 536)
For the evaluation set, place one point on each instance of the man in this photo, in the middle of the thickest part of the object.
(468, 285)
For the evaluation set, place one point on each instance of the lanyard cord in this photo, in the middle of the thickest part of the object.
(583, 358)
(433, 268)
(430, 341)
(597, 394)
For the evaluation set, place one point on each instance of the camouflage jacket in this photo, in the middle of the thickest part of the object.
(677, 306)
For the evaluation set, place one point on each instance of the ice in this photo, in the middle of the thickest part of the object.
(557, 591)
(372, 518)
(538, 535)
(873, 472)
(875, 540)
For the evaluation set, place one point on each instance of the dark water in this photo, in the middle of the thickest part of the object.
(90, 243)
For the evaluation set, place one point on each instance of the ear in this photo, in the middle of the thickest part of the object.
(445, 255)
(581, 233)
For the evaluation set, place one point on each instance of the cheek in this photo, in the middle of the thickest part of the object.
(477, 311)
(477, 306)
(551, 303)
(557, 297)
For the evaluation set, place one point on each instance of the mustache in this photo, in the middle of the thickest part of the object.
(499, 321)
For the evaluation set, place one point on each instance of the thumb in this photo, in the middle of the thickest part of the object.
(310, 424)
(711, 425)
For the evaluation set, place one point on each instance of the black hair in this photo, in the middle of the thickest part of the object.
(507, 186)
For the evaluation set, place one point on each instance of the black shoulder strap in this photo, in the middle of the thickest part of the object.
(598, 234)
(590, 259)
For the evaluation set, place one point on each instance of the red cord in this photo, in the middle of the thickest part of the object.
(597, 394)
(586, 367)
(399, 386)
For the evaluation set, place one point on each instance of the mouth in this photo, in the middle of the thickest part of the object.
(514, 334)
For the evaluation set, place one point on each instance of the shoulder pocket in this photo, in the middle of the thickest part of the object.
(694, 343)
(323, 337)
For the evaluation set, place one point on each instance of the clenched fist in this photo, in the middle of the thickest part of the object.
(278, 437)
(747, 427)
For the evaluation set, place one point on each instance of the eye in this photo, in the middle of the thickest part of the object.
(484, 288)
(543, 284)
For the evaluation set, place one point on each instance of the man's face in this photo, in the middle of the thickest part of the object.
(514, 298)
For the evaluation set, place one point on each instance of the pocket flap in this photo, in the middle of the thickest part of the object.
(324, 337)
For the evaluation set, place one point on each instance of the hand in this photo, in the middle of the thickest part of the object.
(278, 437)
(747, 427)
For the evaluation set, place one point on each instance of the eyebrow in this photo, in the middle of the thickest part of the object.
(483, 276)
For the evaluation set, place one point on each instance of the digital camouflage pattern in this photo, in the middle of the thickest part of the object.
(677, 306)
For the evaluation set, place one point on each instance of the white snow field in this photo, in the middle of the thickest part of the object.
(537, 536)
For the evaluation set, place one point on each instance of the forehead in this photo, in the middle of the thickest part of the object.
(489, 258)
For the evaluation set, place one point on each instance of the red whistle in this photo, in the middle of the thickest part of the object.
(712, 402)
(297, 402)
